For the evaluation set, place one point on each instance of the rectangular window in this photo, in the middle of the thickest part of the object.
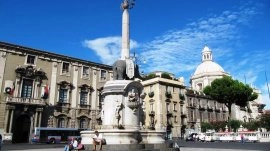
(65, 68)
(151, 107)
(83, 98)
(63, 96)
(192, 116)
(83, 123)
(201, 116)
(27, 88)
(151, 88)
(103, 74)
(30, 59)
(61, 123)
(85, 72)
(168, 107)
(174, 106)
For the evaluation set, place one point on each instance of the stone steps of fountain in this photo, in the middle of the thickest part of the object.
(134, 147)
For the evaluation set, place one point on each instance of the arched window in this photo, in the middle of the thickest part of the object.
(61, 122)
(83, 123)
(199, 86)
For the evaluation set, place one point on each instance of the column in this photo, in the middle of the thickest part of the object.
(94, 101)
(11, 121)
(36, 116)
(39, 118)
(74, 91)
(6, 120)
(53, 83)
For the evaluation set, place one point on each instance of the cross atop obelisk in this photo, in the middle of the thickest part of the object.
(125, 5)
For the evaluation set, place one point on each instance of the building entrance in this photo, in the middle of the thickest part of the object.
(21, 129)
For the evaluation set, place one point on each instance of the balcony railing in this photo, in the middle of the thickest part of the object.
(169, 113)
(151, 113)
(63, 104)
(28, 101)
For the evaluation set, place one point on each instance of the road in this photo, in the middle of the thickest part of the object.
(184, 146)
(233, 146)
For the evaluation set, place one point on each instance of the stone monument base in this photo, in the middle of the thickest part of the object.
(118, 136)
(168, 146)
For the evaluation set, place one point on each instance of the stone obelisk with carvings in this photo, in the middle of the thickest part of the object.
(123, 96)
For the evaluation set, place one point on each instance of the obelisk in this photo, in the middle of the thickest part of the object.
(125, 30)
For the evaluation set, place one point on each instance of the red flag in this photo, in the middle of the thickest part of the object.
(12, 89)
(46, 92)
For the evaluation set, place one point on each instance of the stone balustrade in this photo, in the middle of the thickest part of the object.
(264, 136)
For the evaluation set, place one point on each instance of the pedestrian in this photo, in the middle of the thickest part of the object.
(71, 145)
(97, 140)
(80, 146)
(242, 138)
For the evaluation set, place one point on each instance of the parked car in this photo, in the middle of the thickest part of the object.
(191, 137)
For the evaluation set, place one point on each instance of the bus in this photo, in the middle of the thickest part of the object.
(54, 135)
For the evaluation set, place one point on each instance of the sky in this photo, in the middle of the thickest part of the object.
(166, 35)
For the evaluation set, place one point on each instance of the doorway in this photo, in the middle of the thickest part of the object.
(21, 129)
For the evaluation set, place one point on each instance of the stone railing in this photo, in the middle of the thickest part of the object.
(264, 136)
(28, 101)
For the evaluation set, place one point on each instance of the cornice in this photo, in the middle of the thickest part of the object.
(45, 55)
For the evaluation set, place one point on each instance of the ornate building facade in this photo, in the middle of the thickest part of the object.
(164, 104)
(43, 89)
(176, 108)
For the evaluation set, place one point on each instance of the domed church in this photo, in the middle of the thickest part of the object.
(207, 71)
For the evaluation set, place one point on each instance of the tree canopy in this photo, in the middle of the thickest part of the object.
(265, 121)
(228, 91)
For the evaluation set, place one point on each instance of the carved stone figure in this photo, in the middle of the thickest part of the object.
(119, 70)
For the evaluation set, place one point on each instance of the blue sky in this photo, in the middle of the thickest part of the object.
(169, 35)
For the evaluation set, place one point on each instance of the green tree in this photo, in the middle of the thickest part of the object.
(218, 125)
(166, 75)
(265, 121)
(234, 124)
(252, 125)
(228, 91)
(150, 76)
(206, 126)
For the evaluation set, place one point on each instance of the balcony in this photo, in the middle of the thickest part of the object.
(169, 113)
(202, 107)
(63, 104)
(151, 94)
(183, 115)
(26, 101)
(152, 113)
(84, 106)
(168, 94)
(182, 102)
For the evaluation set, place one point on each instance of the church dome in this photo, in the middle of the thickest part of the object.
(208, 67)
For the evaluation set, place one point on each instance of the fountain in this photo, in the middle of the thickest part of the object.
(123, 97)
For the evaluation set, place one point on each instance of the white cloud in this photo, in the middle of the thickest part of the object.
(107, 48)
(181, 49)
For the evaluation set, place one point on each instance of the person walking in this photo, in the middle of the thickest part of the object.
(242, 138)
